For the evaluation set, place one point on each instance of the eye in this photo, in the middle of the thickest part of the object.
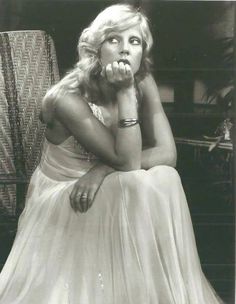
(135, 40)
(112, 40)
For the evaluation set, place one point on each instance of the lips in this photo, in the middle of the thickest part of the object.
(125, 61)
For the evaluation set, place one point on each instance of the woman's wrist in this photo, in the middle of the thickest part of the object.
(127, 103)
(103, 169)
(126, 92)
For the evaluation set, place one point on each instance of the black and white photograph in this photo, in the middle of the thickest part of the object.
(117, 163)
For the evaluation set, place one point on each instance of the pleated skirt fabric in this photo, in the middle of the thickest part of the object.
(135, 245)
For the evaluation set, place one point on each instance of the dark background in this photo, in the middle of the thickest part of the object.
(192, 41)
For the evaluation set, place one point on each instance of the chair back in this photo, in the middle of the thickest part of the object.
(28, 67)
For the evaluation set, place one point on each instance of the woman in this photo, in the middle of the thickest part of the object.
(110, 225)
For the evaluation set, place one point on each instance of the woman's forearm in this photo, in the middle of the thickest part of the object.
(128, 139)
(150, 157)
(155, 156)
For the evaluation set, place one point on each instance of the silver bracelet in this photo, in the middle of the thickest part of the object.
(128, 122)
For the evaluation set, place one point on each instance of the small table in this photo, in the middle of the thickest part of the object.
(226, 145)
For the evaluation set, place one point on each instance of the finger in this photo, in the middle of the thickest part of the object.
(91, 197)
(84, 202)
(74, 190)
(122, 68)
(103, 72)
(109, 72)
(128, 70)
(73, 195)
(115, 68)
(76, 202)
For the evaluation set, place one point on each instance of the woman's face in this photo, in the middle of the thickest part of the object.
(126, 45)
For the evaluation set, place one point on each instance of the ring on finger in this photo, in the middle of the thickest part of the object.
(84, 196)
(84, 202)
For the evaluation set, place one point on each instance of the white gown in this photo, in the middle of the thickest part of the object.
(134, 246)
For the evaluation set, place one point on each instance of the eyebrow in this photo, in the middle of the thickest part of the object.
(135, 35)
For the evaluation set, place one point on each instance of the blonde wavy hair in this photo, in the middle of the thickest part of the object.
(83, 78)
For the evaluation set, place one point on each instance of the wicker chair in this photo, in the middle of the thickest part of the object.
(28, 68)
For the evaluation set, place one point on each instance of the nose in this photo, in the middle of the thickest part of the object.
(124, 47)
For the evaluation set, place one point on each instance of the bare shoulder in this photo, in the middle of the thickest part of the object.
(63, 115)
(150, 93)
(70, 106)
(147, 80)
(149, 89)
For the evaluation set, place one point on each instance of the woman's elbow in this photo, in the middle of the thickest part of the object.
(130, 167)
(172, 158)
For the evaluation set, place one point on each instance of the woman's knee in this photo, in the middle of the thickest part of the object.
(133, 180)
(165, 174)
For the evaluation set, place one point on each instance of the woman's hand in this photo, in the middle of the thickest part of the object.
(119, 74)
(85, 189)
